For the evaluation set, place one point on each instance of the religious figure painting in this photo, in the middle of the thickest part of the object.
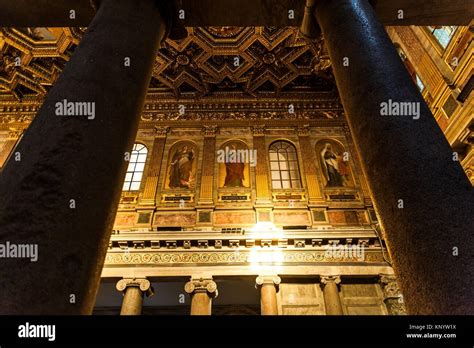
(182, 166)
(334, 163)
(233, 158)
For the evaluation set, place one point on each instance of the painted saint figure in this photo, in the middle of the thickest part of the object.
(181, 168)
(335, 168)
(234, 172)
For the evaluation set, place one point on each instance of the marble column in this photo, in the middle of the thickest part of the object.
(392, 297)
(268, 286)
(421, 193)
(5, 151)
(63, 195)
(202, 291)
(332, 301)
(133, 291)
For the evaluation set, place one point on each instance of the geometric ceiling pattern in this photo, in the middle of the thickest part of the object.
(31, 59)
(210, 61)
(249, 60)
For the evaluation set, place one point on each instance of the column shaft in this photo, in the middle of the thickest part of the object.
(268, 294)
(132, 301)
(201, 304)
(332, 301)
(202, 291)
(63, 195)
(133, 290)
(407, 161)
(268, 300)
(207, 172)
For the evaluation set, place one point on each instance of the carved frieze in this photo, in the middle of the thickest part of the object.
(238, 257)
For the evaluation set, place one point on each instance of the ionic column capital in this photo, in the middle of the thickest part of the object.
(142, 283)
(201, 285)
(326, 279)
(268, 279)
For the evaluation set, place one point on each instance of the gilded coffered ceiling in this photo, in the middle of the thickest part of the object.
(248, 62)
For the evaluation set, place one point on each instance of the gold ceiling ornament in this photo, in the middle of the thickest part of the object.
(209, 62)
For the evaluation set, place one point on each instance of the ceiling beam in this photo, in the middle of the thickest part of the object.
(56, 13)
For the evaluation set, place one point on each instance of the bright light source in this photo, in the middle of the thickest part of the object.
(266, 226)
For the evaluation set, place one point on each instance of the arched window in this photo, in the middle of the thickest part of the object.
(135, 169)
(284, 166)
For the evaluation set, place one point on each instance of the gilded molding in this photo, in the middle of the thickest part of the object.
(237, 257)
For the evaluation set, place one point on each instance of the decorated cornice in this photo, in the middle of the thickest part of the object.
(239, 115)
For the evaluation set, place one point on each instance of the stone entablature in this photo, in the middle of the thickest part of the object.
(206, 247)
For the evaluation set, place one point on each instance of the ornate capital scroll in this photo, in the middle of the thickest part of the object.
(143, 284)
(330, 279)
(269, 279)
(201, 285)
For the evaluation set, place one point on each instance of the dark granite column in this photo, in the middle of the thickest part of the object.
(133, 291)
(63, 195)
(422, 195)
